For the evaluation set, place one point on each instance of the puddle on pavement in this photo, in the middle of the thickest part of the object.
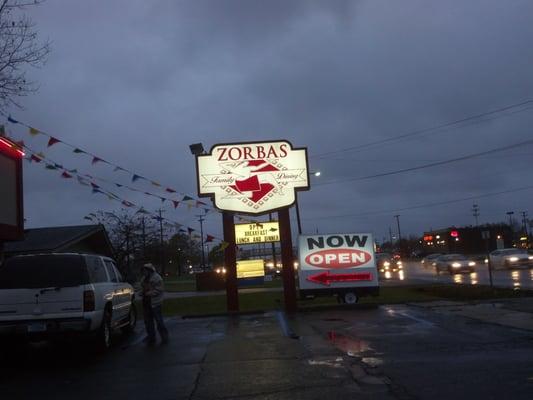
(332, 362)
(352, 347)
(372, 361)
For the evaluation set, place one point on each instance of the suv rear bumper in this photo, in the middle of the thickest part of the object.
(35, 327)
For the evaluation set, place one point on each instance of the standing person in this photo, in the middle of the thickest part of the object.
(152, 295)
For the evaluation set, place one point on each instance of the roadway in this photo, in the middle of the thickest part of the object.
(414, 273)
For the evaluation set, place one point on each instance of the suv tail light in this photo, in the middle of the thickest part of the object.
(88, 301)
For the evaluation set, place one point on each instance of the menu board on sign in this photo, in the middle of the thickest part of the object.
(259, 232)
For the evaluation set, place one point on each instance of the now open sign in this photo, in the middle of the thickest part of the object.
(337, 261)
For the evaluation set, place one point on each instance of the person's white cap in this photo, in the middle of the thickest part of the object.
(149, 266)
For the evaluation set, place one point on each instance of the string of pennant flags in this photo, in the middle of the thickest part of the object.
(84, 179)
(97, 189)
(135, 177)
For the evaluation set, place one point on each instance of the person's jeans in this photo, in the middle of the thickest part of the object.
(152, 314)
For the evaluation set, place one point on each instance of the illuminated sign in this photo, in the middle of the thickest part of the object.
(250, 269)
(11, 204)
(260, 232)
(428, 238)
(252, 178)
(337, 261)
(454, 234)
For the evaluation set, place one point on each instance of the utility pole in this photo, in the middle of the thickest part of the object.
(475, 213)
(299, 222)
(390, 236)
(399, 233)
(143, 238)
(161, 255)
(526, 230)
(201, 219)
(510, 214)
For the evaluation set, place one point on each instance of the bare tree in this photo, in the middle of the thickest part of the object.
(19, 48)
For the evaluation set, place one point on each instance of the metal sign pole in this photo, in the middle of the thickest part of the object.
(230, 262)
(287, 259)
(486, 235)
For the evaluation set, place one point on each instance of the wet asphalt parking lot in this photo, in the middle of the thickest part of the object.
(401, 351)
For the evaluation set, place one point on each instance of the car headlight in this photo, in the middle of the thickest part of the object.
(513, 259)
(530, 258)
(399, 262)
(456, 265)
(386, 264)
(471, 263)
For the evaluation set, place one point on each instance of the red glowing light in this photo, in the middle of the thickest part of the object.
(454, 234)
(325, 278)
(11, 146)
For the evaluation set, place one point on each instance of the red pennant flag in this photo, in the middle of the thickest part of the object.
(169, 190)
(53, 141)
(176, 203)
(65, 174)
(96, 159)
(209, 238)
(199, 203)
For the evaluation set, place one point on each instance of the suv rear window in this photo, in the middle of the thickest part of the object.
(32, 272)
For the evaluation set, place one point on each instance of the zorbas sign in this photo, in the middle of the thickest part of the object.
(252, 178)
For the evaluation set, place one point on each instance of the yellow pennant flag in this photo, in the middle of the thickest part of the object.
(155, 183)
(189, 205)
(34, 132)
(224, 245)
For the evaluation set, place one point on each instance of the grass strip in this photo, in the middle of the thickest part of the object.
(266, 301)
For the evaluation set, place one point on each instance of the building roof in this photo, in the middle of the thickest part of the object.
(52, 238)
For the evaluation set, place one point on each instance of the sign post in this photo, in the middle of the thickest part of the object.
(287, 261)
(486, 236)
(254, 178)
(230, 262)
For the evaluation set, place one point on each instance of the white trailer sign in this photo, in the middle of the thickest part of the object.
(343, 260)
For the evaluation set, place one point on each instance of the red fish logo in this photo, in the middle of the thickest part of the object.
(252, 186)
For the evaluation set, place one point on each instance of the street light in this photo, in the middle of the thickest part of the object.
(197, 149)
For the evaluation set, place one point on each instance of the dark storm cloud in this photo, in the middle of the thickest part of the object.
(136, 82)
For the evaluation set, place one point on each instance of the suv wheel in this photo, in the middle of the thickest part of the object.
(103, 335)
(132, 321)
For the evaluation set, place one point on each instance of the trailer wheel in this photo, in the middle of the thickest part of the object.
(350, 298)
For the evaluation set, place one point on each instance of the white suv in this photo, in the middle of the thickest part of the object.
(48, 294)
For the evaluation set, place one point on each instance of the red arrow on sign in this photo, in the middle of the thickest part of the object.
(325, 278)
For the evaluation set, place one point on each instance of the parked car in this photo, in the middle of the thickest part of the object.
(510, 258)
(46, 295)
(429, 260)
(454, 263)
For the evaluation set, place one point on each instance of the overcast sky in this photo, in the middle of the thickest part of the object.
(136, 82)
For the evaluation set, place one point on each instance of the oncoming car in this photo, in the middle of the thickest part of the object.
(429, 260)
(510, 258)
(47, 295)
(387, 263)
(454, 263)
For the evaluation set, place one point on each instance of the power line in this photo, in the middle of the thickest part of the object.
(430, 165)
(440, 203)
(424, 130)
